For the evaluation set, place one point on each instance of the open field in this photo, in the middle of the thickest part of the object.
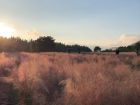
(63, 79)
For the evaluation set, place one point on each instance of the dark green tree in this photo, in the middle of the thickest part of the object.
(74, 48)
(45, 44)
(137, 45)
(59, 47)
(122, 49)
(107, 50)
(42, 44)
(129, 48)
(33, 46)
(97, 48)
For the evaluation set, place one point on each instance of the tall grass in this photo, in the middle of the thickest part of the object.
(62, 79)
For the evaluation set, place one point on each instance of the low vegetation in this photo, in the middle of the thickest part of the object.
(75, 79)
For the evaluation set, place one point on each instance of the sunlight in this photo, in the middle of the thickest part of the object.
(5, 31)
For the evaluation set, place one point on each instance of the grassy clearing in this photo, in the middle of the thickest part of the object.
(62, 79)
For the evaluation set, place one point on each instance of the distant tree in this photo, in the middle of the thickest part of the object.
(97, 48)
(123, 49)
(107, 50)
(59, 47)
(26, 46)
(1, 43)
(45, 44)
(85, 49)
(33, 46)
(129, 48)
(74, 48)
(42, 44)
(137, 45)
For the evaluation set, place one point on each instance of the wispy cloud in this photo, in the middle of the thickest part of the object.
(125, 40)
(34, 35)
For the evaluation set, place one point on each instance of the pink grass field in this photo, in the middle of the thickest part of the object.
(63, 79)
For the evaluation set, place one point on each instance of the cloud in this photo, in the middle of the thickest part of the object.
(104, 38)
(125, 40)
(34, 35)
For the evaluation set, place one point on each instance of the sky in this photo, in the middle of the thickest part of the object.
(104, 23)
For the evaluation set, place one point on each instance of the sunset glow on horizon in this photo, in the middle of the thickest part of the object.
(5, 31)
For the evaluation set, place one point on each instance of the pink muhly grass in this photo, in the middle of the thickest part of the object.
(136, 61)
(62, 79)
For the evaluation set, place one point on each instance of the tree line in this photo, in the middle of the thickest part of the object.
(42, 44)
(125, 48)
